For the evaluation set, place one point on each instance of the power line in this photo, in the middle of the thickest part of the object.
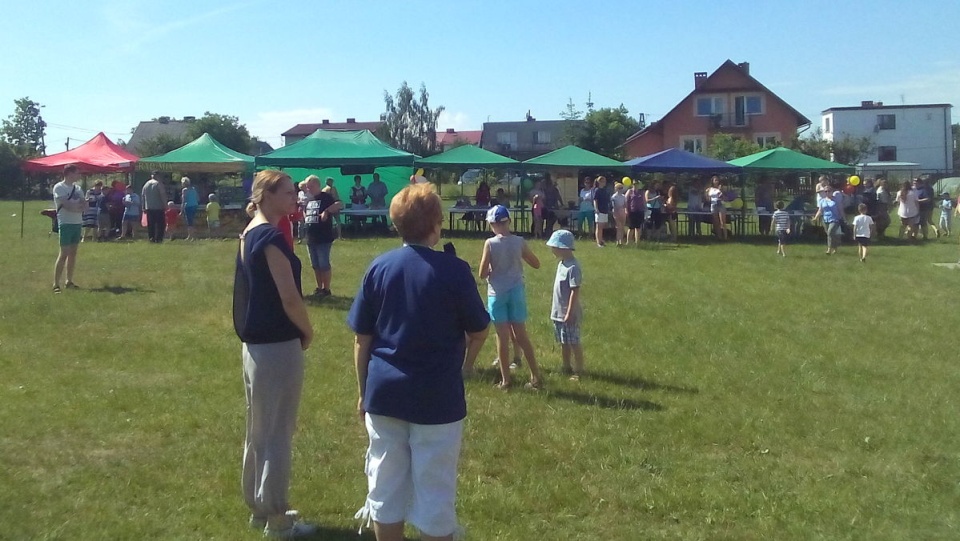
(64, 126)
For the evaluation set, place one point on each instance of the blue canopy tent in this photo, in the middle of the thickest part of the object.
(674, 160)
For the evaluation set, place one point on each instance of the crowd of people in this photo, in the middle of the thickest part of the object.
(418, 319)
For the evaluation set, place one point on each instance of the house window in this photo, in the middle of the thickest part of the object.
(887, 154)
(693, 143)
(541, 137)
(754, 105)
(507, 140)
(886, 122)
(709, 106)
(767, 140)
(826, 125)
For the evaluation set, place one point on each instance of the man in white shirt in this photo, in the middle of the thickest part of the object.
(69, 201)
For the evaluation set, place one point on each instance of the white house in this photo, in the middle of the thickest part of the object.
(917, 134)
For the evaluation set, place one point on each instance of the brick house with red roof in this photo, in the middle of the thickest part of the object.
(727, 101)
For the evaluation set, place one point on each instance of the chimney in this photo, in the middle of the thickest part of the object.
(351, 121)
(878, 104)
(451, 130)
(866, 104)
(164, 120)
(698, 78)
(745, 66)
(325, 121)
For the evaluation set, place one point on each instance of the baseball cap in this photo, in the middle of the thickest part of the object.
(561, 238)
(497, 214)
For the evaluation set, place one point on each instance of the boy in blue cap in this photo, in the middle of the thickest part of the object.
(566, 311)
(501, 265)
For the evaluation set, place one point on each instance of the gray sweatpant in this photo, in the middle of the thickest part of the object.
(273, 376)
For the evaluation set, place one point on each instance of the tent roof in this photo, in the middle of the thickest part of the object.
(98, 155)
(203, 155)
(784, 159)
(675, 160)
(324, 148)
(573, 156)
(467, 156)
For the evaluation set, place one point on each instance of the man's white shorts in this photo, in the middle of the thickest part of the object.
(412, 474)
(601, 218)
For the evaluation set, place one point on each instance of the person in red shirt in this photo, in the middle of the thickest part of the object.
(170, 216)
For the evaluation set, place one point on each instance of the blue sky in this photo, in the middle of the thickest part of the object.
(106, 65)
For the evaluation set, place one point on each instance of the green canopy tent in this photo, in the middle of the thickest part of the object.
(344, 149)
(341, 155)
(203, 155)
(467, 157)
(784, 160)
(569, 160)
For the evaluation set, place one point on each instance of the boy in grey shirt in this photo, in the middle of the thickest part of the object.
(502, 266)
(566, 311)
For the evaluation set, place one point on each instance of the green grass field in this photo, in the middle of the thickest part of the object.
(732, 394)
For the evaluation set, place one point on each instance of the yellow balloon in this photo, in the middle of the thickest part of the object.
(420, 172)
(627, 181)
(854, 180)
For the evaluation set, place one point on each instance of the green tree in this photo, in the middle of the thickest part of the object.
(24, 129)
(159, 144)
(725, 147)
(812, 145)
(604, 130)
(408, 122)
(851, 150)
(573, 128)
(224, 128)
(846, 150)
(11, 177)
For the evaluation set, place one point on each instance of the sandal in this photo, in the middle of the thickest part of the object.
(56, 289)
(534, 385)
(503, 386)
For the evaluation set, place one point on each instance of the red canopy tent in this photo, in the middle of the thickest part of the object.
(98, 155)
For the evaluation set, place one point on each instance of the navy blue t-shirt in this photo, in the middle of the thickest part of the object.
(417, 303)
(259, 317)
(319, 231)
(602, 199)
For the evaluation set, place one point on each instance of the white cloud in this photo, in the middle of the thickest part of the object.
(269, 125)
(458, 121)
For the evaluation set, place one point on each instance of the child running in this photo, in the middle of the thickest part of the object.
(863, 229)
(781, 223)
(946, 214)
(566, 311)
(502, 266)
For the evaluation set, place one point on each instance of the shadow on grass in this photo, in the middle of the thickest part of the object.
(120, 290)
(639, 383)
(604, 402)
(332, 533)
(333, 302)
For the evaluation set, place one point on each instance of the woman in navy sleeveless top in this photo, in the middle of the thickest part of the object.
(271, 319)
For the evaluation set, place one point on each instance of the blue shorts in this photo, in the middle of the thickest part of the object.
(782, 236)
(320, 255)
(189, 214)
(586, 216)
(509, 307)
(566, 333)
